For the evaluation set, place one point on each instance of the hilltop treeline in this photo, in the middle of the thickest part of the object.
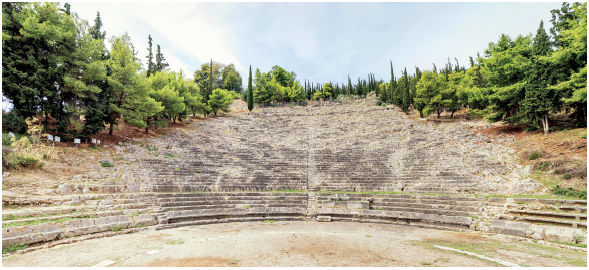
(55, 64)
(517, 80)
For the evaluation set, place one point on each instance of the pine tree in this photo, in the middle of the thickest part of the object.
(95, 30)
(150, 65)
(160, 61)
(250, 92)
(539, 99)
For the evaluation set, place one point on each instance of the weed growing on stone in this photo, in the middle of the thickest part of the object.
(13, 248)
(234, 261)
(106, 164)
(268, 221)
(39, 221)
(116, 229)
(425, 263)
(535, 155)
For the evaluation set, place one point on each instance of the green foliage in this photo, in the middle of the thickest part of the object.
(505, 69)
(250, 92)
(478, 114)
(277, 85)
(13, 122)
(13, 248)
(106, 164)
(570, 192)
(567, 176)
(539, 99)
(543, 166)
(535, 155)
(430, 90)
(221, 100)
(19, 161)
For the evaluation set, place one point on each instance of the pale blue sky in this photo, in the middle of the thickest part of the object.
(320, 42)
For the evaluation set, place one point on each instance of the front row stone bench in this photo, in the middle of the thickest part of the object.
(399, 217)
(188, 217)
(539, 232)
(52, 231)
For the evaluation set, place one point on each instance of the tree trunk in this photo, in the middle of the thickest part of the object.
(147, 127)
(439, 112)
(174, 120)
(544, 120)
(111, 128)
(452, 115)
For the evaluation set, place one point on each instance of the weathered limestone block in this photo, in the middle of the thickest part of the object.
(286, 210)
(346, 204)
(323, 218)
(509, 227)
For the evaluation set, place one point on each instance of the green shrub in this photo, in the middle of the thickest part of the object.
(543, 166)
(530, 128)
(567, 176)
(106, 164)
(584, 136)
(17, 161)
(535, 155)
(570, 192)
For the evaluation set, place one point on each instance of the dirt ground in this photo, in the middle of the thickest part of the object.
(296, 243)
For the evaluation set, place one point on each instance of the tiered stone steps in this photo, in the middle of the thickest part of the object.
(442, 212)
(91, 214)
(547, 219)
(187, 209)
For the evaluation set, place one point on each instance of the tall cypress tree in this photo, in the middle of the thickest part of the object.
(210, 81)
(160, 61)
(150, 64)
(250, 92)
(393, 85)
(406, 92)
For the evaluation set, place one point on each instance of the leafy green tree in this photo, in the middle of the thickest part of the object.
(231, 79)
(430, 90)
(571, 60)
(85, 80)
(505, 67)
(452, 100)
(539, 99)
(250, 92)
(324, 93)
(142, 108)
(123, 81)
(221, 100)
(37, 42)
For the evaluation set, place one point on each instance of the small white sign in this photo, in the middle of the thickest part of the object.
(11, 134)
(76, 140)
(57, 139)
(94, 141)
(97, 141)
(50, 137)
